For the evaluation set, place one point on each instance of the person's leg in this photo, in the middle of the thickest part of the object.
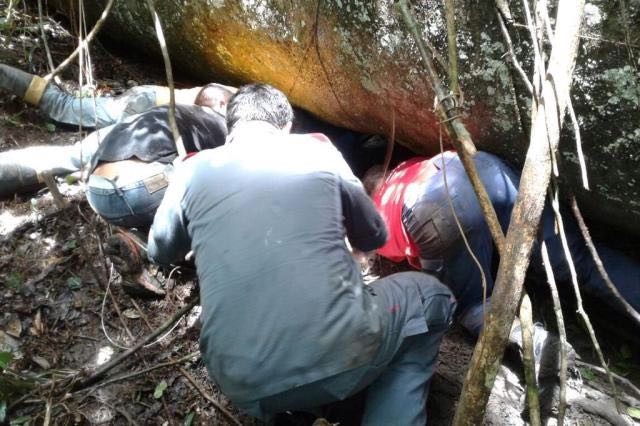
(88, 111)
(95, 112)
(132, 205)
(431, 223)
(417, 311)
(20, 83)
(623, 271)
(399, 394)
(21, 169)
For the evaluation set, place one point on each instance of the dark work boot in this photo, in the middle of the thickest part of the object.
(28, 86)
(17, 179)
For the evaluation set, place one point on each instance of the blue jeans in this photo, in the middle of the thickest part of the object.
(130, 205)
(99, 112)
(418, 310)
(430, 223)
(60, 159)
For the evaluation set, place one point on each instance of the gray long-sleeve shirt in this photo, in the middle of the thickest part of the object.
(283, 301)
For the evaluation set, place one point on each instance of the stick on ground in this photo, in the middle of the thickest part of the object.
(99, 373)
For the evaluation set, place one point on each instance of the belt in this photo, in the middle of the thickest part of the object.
(154, 176)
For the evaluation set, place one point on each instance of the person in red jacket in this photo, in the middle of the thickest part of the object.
(416, 206)
(413, 201)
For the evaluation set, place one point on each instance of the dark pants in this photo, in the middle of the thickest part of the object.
(417, 310)
(430, 223)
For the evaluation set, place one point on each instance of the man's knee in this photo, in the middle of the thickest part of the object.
(438, 302)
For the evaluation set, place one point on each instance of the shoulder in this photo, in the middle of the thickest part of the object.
(311, 138)
(312, 144)
(208, 157)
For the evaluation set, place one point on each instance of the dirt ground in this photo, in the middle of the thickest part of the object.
(64, 314)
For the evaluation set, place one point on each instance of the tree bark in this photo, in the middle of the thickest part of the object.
(525, 217)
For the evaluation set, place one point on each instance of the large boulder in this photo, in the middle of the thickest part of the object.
(352, 63)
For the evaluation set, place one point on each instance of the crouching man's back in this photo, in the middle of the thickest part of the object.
(284, 305)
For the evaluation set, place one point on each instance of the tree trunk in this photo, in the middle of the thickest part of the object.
(525, 217)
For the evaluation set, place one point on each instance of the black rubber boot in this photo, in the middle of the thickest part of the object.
(28, 86)
(17, 179)
(14, 80)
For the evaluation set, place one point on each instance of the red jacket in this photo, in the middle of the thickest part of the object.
(389, 200)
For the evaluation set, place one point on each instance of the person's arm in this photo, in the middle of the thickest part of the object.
(365, 228)
(169, 239)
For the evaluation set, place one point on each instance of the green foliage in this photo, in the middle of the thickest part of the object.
(624, 85)
(20, 421)
(69, 245)
(5, 25)
(624, 368)
(188, 421)
(14, 281)
(69, 179)
(587, 374)
(160, 388)
(5, 359)
(74, 283)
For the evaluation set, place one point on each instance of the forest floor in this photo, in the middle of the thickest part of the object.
(64, 314)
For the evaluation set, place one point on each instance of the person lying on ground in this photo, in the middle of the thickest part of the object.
(266, 217)
(90, 112)
(413, 201)
(21, 170)
(130, 169)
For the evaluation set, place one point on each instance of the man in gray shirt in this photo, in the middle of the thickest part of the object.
(288, 323)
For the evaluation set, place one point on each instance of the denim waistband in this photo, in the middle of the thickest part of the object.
(157, 173)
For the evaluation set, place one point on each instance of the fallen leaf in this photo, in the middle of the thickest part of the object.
(188, 421)
(43, 363)
(14, 327)
(131, 313)
(634, 412)
(37, 328)
(160, 388)
(74, 283)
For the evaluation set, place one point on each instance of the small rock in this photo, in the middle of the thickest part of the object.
(43, 363)
(8, 343)
(14, 326)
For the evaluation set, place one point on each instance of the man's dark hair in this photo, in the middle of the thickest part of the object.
(259, 102)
